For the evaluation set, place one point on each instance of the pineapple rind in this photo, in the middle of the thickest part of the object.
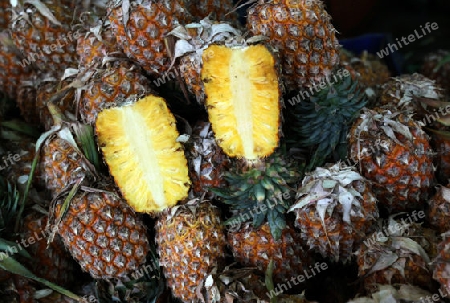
(243, 99)
(140, 148)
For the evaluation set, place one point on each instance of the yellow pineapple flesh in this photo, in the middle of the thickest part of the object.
(139, 144)
(242, 89)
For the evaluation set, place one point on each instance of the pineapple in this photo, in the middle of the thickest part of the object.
(243, 99)
(256, 246)
(63, 154)
(440, 264)
(392, 151)
(108, 84)
(5, 14)
(437, 67)
(103, 233)
(52, 263)
(407, 91)
(42, 31)
(439, 209)
(14, 70)
(237, 82)
(97, 43)
(392, 256)
(207, 162)
(141, 26)
(191, 243)
(323, 120)
(139, 143)
(54, 92)
(402, 293)
(192, 40)
(302, 32)
(335, 209)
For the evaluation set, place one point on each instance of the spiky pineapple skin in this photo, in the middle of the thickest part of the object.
(440, 264)
(303, 34)
(52, 263)
(191, 242)
(256, 246)
(110, 85)
(142, 38)
(90, 48)
(52, 45)
(103, 234)
(5, 14)
(402, 172)
(139, 144)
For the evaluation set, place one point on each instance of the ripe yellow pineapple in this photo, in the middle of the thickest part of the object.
(392, 151)
(243, 99)
(102, 232)
(335, 209)
(140, 28)
(191, 243)
(139, 143)
(302, 32)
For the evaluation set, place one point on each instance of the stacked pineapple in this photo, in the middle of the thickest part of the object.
(132, 182)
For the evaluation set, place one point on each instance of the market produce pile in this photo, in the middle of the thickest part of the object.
(161, 151)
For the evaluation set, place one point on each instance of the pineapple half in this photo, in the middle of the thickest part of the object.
(139, 144)
(242, 99)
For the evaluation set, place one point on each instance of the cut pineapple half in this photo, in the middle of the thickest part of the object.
(139, 145)
(242, 89)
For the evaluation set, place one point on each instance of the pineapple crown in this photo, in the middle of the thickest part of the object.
(391, 125)
(260, 191)
(326, 187)
(408, 89)
(323, 121)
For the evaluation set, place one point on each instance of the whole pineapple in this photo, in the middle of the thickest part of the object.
(392, 151)
(392, 256)
(42, 32)
(302, 32)
(140, 28)
(101, 231)
(139, 144)
(191, 243)
(335, 209)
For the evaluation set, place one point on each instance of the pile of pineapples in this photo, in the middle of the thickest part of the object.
(159, 161)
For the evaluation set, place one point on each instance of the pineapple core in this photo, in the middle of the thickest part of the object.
(241, 86)
(139, 145)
